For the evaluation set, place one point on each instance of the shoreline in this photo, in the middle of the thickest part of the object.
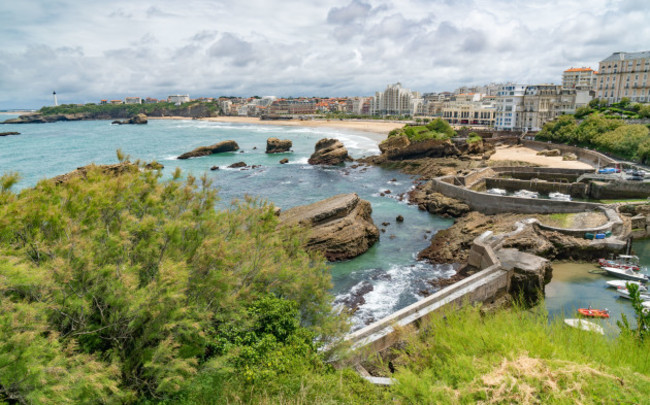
(375, 130)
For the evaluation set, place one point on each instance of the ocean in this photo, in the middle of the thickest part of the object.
(389, 270)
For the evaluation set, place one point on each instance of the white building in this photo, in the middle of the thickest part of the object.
(178, 99)
(133, 100)
(509, 106)
(579, 79)
(395, 100)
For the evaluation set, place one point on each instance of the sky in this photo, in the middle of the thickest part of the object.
(87, 50)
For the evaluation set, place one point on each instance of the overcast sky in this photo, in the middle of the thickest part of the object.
(89, 49)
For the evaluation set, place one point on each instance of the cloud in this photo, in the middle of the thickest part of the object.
(86, 51)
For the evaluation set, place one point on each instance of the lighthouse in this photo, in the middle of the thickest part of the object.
(54, 95)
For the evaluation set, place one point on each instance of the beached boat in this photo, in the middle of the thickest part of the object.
(624, 283)
(559, 197)
(497, 191)
(623, 292)
(526, 194)
(594, 313)
(584, 325)
(626, 274)
(621, 262)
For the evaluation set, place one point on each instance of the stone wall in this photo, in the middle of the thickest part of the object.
(576, 190)
(617, 190)
(493, 204)
(584, 155)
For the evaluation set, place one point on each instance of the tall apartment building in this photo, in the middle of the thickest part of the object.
(509, 105)
(471, 109)
(395, 100)
(579, 78)
(540, 105)
(624, 74)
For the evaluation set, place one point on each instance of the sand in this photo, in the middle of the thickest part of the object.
(529, 155)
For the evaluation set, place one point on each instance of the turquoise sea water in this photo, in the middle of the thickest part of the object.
(389, 269)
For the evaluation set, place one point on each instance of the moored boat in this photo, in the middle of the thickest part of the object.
(625, 293)
(594, 313)
(626, 274)
(497, 191)
(624, 283)
(621, 262)
(559, 197)
(526, 194)
(584, 325)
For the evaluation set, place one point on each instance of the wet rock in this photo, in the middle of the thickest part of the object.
(254, 147)
(399, 218)
(225, 146)
(329, 152)
(275, 145)
(387, 192)
(237, 165)
(213, 168)
(9, 133)
(385, 223)
(355, 298)
(284, 161)
(138, 119)
(340, 227)
(154, 166)
(383, 230)
(530, 273)
(439, 204)
(392, 237)
(394, 142)
(241, 151)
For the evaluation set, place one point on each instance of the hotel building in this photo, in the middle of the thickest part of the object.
(624, 74)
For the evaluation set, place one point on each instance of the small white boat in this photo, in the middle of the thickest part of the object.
(559, 197)
(623, 292)
(584, 325)
(646, 304)
(626, 274)
(624, 283)
(526, 194)
(497, 191)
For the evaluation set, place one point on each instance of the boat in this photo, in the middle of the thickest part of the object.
(624, 283)
(497, 191)
(623, 292)
(559, 197)
(646, 304)
(627, 274)
(526, 194)
(621, 262)
(594, 313)
(584, 325)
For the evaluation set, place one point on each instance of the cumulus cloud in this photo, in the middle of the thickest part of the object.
(87, 51)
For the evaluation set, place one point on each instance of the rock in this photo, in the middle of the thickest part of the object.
(225, 146)
(399, 218)
(394, 142)
(241, 151)
(138, 119)
(329, 152)
(275, 145)
(432, 148)
(254, 147)
(549, 152)
(9, 133)
(284, 161)
(569, 156)
(340, 227)
(237, 165)
(354, 299)
(154, 166)
(530, 273)
(113, 170)
(392, 237)
(213, 168)
(385, 223)
(439, 204)
(387, 192)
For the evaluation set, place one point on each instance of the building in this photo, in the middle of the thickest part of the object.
(624, 74)
(509, 105)
(540, 105)
(101, 102)
(579, 78)
(470, 109)
(292, 107)
(178, 99)
(133, 100)
(395, 100)
(115, 102)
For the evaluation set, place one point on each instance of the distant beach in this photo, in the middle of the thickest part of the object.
(376, 130)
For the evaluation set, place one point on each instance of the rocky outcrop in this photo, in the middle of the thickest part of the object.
(9, 133)
(237, 165)
(438, 204)
(329, 152)
(154, 166)
(113, 170)
(275, 145)
(138, 119)
(394, 142)
(432, 148)
(225, 146)
(530, 273)
(340, 227)
(284, 161)
(549, 152)
(37, 118)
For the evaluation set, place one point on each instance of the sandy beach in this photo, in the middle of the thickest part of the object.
(529, 155)
(374, 129)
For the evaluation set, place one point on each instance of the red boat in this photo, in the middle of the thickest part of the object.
(621, 262)
(594, 313)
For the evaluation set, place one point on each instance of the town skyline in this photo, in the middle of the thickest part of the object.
(86, 51)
